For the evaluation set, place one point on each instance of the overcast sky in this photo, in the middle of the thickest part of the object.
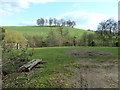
(86, 13)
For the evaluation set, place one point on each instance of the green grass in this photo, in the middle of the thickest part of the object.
(50, 73)
(44, 30)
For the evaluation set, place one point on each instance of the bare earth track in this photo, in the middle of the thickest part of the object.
(93, 74)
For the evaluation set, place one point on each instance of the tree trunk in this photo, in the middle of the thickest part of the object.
(17, 45)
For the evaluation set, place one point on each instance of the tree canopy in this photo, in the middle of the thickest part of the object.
(14, 37)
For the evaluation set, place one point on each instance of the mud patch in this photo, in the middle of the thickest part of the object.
(88, 53)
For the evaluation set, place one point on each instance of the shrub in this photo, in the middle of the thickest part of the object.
(13, 59)
(12, 39)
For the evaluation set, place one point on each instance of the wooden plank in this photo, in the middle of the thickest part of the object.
(30, 65)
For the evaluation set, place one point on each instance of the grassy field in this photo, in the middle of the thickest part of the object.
(44, 30)
(53, 73)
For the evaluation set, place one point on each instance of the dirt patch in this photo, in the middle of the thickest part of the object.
(95, 75)
(87, 53)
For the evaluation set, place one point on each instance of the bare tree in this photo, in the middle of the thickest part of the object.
(42, 21)
(107, 29)
(58, 22)
(55, 21)
(73, 24)
(111, 25)
(69, 23)
(63, 34)
(108, 25)
(46, 21)
(62, 22)
(38, 22)
(50, 21)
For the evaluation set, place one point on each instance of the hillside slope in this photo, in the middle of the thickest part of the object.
(44, 30)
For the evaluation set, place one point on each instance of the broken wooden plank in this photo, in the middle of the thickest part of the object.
(30, 64)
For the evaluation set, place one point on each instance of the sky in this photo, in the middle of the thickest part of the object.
(87, 13)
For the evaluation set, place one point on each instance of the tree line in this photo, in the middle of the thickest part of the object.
(55, 22)
(105, 35)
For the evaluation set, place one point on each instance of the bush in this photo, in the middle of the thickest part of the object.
(92, 43)
(117, 44)
(67, 43)
(14, 39)
(35, 40)
(13, 59)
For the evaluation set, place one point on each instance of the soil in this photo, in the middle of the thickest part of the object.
(93, 74)
(87, 53)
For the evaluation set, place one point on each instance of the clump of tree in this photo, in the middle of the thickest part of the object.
(88, 39)
(107, 32)
(41, 22)
(63, 33)
(35, 40)
(55, 22)
(109, 26)
(52, 39)
(13, 39)
(57, 37)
